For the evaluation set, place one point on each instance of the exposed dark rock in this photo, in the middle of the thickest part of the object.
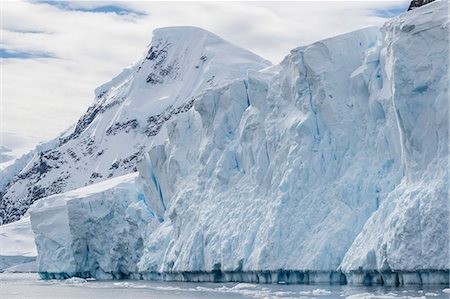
(210, 81)
(95, 175)
(101, 94)
(89, 116)
(90, 147)
(418, 3)
(72, 154)
(155, 122)
(125, 126)
(12, 206)
(161, 68)
(115, 165)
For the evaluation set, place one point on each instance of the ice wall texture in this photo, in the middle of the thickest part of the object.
(334, 160)
(348, 139)
(410, 230)
(262, 173)
(129, 111)
(92, 231)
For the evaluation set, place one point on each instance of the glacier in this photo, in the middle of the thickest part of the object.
(329, 167)
(98, 229)
(130, 110)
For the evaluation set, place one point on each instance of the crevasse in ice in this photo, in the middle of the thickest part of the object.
(333, 162)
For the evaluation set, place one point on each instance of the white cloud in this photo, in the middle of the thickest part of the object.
(43, 96)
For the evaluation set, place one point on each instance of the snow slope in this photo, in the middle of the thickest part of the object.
(17, 244)
(331, 166)
(13, 146)
(129, 110)
(6, 155)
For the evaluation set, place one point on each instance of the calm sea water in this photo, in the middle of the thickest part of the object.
(28, 285)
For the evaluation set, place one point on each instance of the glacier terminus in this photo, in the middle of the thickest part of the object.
(204, 162)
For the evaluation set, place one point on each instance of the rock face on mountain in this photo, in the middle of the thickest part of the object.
(330, 167)
(418, 3)
(127, 114)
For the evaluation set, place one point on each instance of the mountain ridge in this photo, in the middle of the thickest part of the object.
(129, 110)
(332, 163)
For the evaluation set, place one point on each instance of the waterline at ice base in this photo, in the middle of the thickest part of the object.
(331, 167)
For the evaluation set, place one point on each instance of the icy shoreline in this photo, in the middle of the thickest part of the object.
(335, 160)
(27, 285)
(400, 278)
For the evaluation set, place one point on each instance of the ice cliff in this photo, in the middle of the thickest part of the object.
(129, 111)
(410, 230)
(330, 167)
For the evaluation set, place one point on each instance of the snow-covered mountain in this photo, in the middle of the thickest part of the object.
(13, 146)
(330, 167)
(336, 159)
(127, 114)
(418, 3)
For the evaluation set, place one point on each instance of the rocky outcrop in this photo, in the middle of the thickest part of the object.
(127, 113)
(418, 3)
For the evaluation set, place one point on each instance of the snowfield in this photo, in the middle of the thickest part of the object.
(129, 111)
(330, 167)
(17, 247)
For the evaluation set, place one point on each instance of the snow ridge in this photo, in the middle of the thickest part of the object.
(332, 166)
(181, 62)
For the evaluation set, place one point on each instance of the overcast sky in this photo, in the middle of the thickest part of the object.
(54, 54)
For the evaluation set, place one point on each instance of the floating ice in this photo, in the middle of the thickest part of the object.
(125, 117)
(331, 167)
(75, 280)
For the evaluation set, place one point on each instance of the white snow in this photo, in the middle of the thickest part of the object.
(180, 63)
(319, 292)
(17, 247)
(334, 160)
(96, 229)
(13, 146)
(17, 239)
(236, 162)
(410, 229)
(75, 280)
